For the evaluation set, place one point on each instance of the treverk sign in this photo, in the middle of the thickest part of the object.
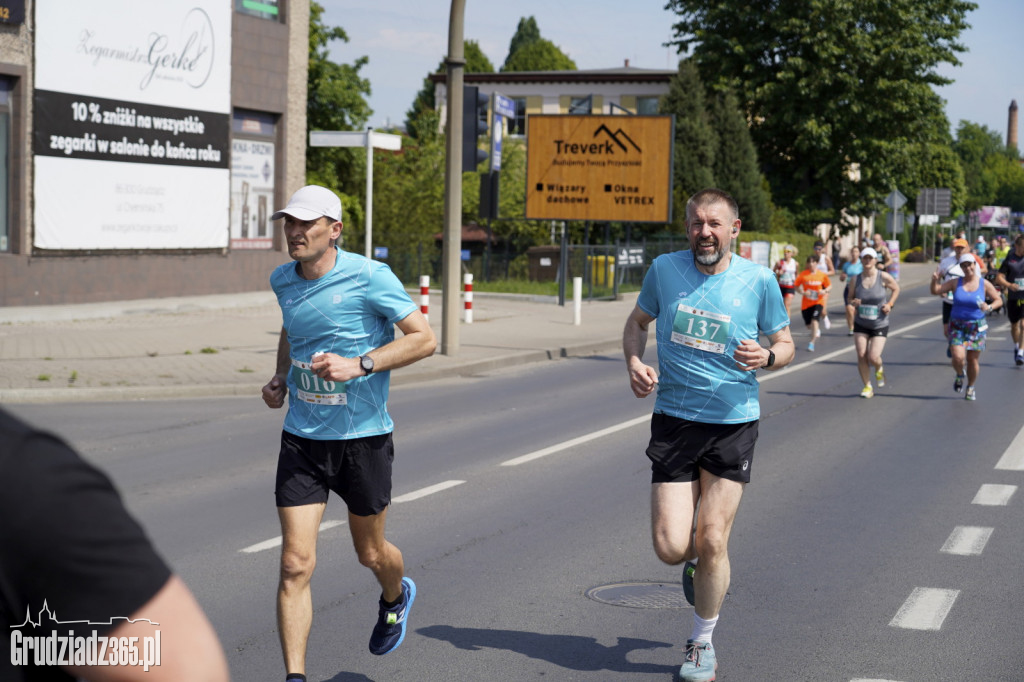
(599, 168)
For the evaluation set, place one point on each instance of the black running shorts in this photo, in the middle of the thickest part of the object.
(813, 313)
(860, 329)
(1015, 310)
(358, 470)
(679, 449)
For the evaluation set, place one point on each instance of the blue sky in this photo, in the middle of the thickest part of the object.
(406, 39)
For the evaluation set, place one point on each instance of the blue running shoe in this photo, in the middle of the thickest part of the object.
(810, 346)
(389, 631)
(688, 568)
(700, 664)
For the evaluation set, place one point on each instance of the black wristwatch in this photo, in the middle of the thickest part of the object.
(366, 362)
(771, 358)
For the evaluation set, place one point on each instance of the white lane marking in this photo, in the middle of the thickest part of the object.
(423, 492)
(1013, 458)
(575, 441)
(994, 495)
(408, 497)
(276, 542)
(558, 447)
(925, 609)
(967, 540)
(864, 679)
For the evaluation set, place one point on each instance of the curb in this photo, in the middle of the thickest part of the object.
(401, 378)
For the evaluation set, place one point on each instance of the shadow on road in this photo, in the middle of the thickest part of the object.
(567, 651)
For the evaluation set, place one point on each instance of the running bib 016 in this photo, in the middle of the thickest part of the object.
(812, 294)
(868, 312)
(314, 389)
(701, 329)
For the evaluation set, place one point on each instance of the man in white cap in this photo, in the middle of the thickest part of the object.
(334, 357)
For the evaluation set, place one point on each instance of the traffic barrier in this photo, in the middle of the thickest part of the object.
(467, 281)
(577, 301)
(425, 295)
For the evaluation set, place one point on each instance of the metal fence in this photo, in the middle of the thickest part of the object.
(604, 268)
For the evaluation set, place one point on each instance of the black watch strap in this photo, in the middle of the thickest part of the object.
(366, 362)
(771, 358)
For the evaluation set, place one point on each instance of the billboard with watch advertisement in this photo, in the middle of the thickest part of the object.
(131, 125)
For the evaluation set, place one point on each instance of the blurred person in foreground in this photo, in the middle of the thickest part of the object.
(75, 565)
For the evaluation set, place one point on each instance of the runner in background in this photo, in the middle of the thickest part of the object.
(949, 269)
(967, 324)
(813, 285)
(785, 271)
(870, 304)
(1011, 278)
(850, 268)
(824, 265)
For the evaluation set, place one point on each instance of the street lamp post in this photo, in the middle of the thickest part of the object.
(451, 242)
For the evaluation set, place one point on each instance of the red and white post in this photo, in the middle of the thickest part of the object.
(467, 284)
(425, 295)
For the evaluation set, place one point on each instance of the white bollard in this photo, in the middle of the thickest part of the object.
(467, 281)
(425, 295)
(577, 300)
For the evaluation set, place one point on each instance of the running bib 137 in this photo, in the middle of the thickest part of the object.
(701, 329)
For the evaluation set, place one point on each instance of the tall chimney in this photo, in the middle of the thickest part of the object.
(1011, 132)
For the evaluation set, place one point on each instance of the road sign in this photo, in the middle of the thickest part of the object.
(895, 200)
(501, 107)
(504, 106)
(934, 201)
(599, 167)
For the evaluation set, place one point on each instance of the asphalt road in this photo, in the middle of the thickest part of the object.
(880, 539)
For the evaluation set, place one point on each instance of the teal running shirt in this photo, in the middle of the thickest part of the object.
(700, 321)
(349, 311)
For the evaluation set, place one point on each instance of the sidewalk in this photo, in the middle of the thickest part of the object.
(226, 345)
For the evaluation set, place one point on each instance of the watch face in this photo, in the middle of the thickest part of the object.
(367, 363)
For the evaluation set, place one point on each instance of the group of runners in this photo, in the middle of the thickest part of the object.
(970, 293)
(337, 348)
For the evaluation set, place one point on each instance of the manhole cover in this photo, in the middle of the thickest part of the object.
(640, 595)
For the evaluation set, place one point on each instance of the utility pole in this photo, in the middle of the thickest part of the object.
(451, 242)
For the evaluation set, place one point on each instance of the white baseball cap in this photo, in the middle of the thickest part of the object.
(310, 203)
(868, 251)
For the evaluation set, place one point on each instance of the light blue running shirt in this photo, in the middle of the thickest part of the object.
(349, 311)
(700, 321)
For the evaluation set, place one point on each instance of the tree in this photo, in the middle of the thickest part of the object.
(694, 138)
(527, 32)
(410, 205)
(540, 55)
(336, 100)
(528, 51)
(929, 165)
(735, 165)
(828, 86)
(979, 149)
(476, 62)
